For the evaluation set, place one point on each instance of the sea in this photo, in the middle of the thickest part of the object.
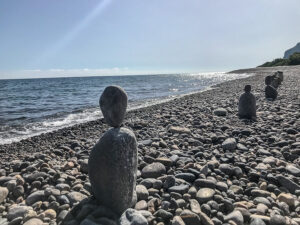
(29, 107)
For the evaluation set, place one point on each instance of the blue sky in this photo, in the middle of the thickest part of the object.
(106, 37)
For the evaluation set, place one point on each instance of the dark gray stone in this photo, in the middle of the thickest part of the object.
(132, 217)
(235, 216)
(270, 92)
(113, 168)
(153, 170)
(288, 184)
(34, 197)
(247, 105)
(113, 104)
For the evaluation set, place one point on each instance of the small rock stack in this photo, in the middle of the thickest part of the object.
(113, 161)
(273, 83)
(247, 105)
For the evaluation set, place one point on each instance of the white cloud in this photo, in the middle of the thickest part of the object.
(37, 73)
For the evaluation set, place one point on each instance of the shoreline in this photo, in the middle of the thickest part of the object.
(256, 177)
(149, 104)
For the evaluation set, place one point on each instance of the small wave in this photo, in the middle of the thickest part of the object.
(155, 93)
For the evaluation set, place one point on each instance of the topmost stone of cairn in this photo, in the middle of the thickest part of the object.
(113, 104)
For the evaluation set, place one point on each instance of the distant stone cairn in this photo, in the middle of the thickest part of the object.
(112, 165)
(247, 105)
(270, 92)
(274, 80)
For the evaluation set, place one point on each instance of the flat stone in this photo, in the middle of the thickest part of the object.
(189, 217)
(287, 198)
(205, 194)
(75, 197)
(177, 221)
(180, 130)
(293, 170)
(277, 220)
(131, 216)
(17, 211)
(182, 188)
(3, 194)
(288, 184)
(153, 170)
(257, 221)
(33, 221)
(229, 144)
(113, 104)
(35, 197)
(142, 192)
(189, 177)
(260, 193)
(141, 205)
(220, 112)
(235, 216)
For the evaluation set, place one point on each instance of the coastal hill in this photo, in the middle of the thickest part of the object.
(291, 57)
(291, 51)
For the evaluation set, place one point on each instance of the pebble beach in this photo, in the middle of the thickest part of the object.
(198, 163)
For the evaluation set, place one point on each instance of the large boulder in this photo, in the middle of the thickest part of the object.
(113, 168)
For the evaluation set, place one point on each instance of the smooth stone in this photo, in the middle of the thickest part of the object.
(260, 193)
(182, 188)
(153, 170)
(3, 194)
(235, 216)
(205, 194)
(113, 169)
(177, 221)
(229, 144)
(75, 197)
(141, 205)
(262, 200)
(287, 198)
(180, 130)
(220, 112)
(169, 182)
(257, 221)
(33, 221)
(189, 217)
(35, 197)
(165, 215)
(277, 220)
(188, 177)
(18, 211)
(226, 168)
(142, 192)
(293, 170)
(113, 104)
(288, 184)
(247, 106)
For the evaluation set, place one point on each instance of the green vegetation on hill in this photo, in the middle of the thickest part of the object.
(294, 59)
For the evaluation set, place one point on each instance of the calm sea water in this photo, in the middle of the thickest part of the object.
(30, 107)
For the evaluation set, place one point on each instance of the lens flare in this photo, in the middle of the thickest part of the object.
(69, 36)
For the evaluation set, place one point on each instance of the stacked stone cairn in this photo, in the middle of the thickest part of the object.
(112, 169)
(247, 105)
(272, 83)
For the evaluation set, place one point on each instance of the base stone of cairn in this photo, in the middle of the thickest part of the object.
(112, 169)
(270, 92)
(247, 105)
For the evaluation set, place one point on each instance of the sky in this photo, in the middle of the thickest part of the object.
(48, 38)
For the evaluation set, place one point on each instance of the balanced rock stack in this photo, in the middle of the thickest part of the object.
(113, 160)
(247, 105)
(270, 91)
